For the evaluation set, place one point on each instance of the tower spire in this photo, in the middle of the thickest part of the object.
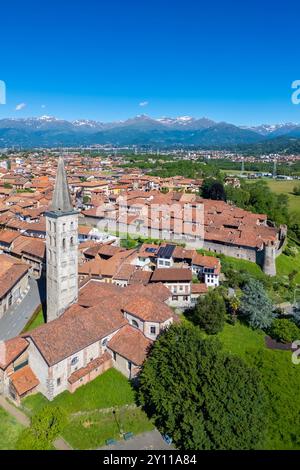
(61, 201)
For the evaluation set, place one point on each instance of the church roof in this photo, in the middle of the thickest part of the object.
(61, 201)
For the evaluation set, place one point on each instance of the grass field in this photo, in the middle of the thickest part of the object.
(285, 265)
(286, 187)
(90, 411)
(108, 390)
(92, 429)
(9, 431)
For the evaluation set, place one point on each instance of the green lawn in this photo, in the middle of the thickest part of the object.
(90, 410)
(286, 187)
(9, 430)
(287, 264)
(108, 390)
(281, 381)
(240, 339)
(92, 429)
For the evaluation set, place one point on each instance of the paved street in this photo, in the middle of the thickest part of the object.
(18, 315)
(146, 441)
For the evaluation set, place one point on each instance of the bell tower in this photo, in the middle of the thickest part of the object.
(61, 248)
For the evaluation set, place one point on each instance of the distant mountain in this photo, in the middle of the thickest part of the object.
(273, 130)
(48, 131)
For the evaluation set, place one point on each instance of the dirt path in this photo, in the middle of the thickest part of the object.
(59, 443)
(17, 414)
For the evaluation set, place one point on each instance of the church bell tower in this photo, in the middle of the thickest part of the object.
(61, 248)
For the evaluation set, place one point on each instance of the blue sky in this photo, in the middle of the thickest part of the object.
(227, 60)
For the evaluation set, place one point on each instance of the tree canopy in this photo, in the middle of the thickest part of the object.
(210, 312)
(256, 307)
(200, 396)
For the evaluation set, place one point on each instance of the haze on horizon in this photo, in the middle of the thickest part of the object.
(108, 62)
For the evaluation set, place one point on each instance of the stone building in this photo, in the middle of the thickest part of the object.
(62, 248)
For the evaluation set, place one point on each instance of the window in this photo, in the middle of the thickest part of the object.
(104, 342)
(74, 361)
(115, 356)
(129, 365)
(58, 381)
(134, 323)
(72, 225)
(71, 241)
(64, 243)
(153, 330)
(64, 227)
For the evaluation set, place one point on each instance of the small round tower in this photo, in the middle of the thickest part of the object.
(269, 265)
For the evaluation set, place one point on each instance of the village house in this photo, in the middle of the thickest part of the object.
(14, 282)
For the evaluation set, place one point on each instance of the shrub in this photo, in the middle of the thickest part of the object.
(210, 312)
(48, 422)
(284, 330)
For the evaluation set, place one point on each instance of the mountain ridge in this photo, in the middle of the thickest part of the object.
(49, 131)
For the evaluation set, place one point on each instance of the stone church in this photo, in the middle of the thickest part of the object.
(89, 330)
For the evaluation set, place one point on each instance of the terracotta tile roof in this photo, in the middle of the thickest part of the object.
(147, 309)
(11, 271)
(24, 380)
(125, 272)
(171, 275)
(131, 344)
(207, 262)
(199, 288)
(11, 349)
(140, 277)
(80, 373)
(36, 248)
(8, 236)
(73, 332)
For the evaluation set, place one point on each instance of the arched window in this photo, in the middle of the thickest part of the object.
(71, 241)
(134, 323)
(72, 225)
(64, 243)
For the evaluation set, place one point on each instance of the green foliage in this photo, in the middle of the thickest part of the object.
(48, 422)
(296, 190)
(284, 330)
(10, 430)
(213, 189)
(210, 312)
(28, 440)
(202, 397)
(259, 198)
(256, 306)
(46, 425)
(281, 380)
(86, 199)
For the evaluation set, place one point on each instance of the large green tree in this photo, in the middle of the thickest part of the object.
(256, 307)
(200, 396)
(213, 189)
(210, 312)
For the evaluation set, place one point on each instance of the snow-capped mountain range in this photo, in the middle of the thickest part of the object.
(140, 130)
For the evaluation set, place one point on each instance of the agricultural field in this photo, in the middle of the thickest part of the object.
(286, 187)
